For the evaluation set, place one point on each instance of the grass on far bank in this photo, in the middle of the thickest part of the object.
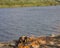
(26, 3)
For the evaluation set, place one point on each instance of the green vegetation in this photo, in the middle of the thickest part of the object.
(23, 3)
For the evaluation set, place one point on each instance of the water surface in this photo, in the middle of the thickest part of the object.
(15, 22)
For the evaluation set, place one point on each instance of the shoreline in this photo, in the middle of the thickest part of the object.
(17, 6)
(38, 42)
(37, 4)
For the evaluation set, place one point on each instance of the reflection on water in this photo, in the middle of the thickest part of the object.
(15, 22)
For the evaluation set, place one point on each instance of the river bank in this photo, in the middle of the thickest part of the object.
(33, 42)
(26, 3)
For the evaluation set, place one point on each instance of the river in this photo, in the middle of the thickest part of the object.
(16, 22)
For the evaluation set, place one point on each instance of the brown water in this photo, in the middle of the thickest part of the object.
(15, 22)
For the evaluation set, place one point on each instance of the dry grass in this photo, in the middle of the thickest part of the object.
(26, 3)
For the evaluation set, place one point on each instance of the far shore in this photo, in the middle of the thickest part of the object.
(37, 4)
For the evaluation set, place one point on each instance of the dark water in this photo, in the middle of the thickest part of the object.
(15, 22)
